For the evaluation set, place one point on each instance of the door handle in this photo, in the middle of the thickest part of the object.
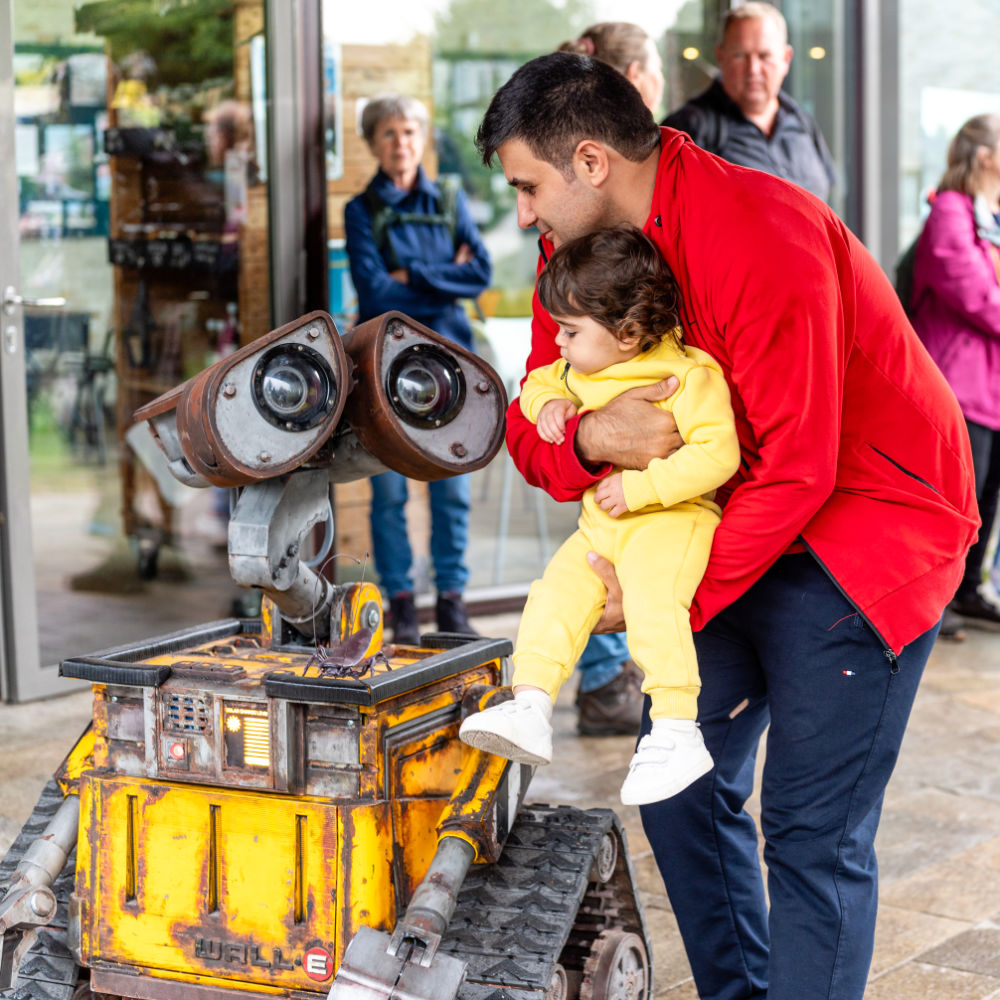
(11, 300)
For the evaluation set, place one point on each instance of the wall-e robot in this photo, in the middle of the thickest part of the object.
(281, 807)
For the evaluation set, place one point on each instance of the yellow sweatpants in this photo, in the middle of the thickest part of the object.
(660, 557)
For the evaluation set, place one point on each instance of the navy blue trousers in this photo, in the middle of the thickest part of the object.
(792, 653)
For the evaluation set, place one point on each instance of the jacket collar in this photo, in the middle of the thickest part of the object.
(392, 195)
(717, 98)
(987, 227)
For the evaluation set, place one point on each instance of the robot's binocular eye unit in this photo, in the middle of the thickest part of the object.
(423, 405)
(414, 401)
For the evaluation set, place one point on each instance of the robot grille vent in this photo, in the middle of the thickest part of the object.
(186, 714)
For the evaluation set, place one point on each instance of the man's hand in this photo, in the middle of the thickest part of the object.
(463, 254)
(610, 495)
(630, 431)
(552, 419)
(612, 619)
(401, 274)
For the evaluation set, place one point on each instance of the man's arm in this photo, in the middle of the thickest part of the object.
(630, 431)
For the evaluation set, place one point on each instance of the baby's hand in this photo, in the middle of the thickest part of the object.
(552, 420)
(610, 495)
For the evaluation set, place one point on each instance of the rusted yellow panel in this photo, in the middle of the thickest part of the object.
(365, 865)
(469, 813)
(359, 597)
(79, 759)
(477, 786)
(430, 766)
(416, 837)
(86, 866)
(215, 882)
(100, 727)
(268, 612)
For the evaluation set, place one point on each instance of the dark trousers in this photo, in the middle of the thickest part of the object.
(986, 466)
(791, 652)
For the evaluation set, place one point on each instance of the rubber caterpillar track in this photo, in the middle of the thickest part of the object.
(49, 971)
(515, 919)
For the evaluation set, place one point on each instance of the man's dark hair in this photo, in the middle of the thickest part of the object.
(555, 101)
(616, 277)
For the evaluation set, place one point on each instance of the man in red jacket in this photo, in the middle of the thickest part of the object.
(843, 533)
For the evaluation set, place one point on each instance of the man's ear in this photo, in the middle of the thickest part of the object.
(591, 162)
(789, 52)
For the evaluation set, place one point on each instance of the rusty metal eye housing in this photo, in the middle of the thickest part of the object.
(449, 418)
(259, 413)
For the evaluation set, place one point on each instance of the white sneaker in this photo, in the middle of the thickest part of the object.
(515, 729)
(665, 763)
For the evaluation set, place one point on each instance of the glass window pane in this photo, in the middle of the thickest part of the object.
(143, 203)
(453, 56)
(946, 77)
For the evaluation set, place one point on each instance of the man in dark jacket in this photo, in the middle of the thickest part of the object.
(744, 116)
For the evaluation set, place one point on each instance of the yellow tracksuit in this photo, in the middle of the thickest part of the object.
(659, 548)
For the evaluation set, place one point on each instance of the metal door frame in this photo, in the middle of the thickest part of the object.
(21, 675)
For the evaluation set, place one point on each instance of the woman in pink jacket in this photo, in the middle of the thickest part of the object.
(956, 312)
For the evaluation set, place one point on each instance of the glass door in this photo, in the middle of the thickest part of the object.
(141, 235)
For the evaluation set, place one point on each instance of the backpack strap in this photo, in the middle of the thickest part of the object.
(383, 216)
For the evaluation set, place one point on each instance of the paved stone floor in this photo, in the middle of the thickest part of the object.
(939, 845)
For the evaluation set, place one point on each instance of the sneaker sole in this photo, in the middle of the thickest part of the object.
(500, 746)
(668, 790)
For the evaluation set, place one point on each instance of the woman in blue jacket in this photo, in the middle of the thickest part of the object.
(413, 246)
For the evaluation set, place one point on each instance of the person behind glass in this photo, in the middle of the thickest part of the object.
(412, 246)
(955, 310)
(615, 302)
(745, 117)
(609, 698)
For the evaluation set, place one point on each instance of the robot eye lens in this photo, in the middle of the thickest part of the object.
(293, 387)
(426, 386)
(285, 390)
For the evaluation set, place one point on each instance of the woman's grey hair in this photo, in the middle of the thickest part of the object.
(980, 132)
(387, 106)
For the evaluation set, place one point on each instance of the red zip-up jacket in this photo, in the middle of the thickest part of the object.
(851, 441)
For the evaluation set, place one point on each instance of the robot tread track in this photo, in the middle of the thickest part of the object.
(48, 971)
(544, 909)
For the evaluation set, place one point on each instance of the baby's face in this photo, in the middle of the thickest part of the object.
(588, 346)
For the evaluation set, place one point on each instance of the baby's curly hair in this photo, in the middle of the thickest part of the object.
(618, 278)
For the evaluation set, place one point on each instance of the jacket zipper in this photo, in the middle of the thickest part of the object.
(886, 651)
